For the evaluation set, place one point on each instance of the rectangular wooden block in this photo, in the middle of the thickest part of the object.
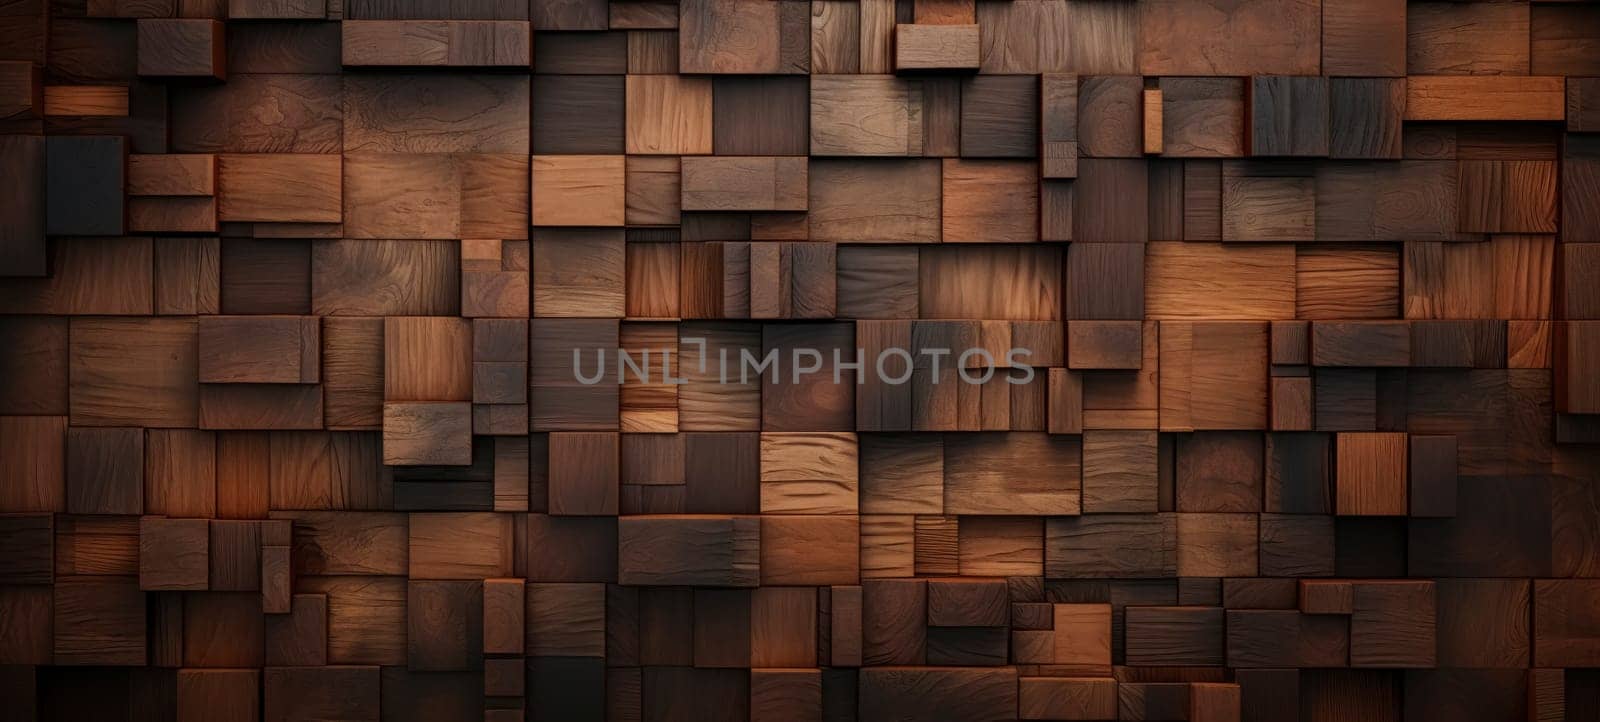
(722, 551)
(279, 187)
(924, 47)
(182, 47)
(254, 349)
(744, 184)
(578, 190)
(427, 433)
(446, 43)
(1485, 97)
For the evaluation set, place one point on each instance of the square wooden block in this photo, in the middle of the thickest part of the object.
(1371, 474)
(579, 190)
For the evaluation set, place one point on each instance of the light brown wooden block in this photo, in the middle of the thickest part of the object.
(1371, 474)
(1485, 97)
(839, 103)
(810, 550)
(1120, 471)
(668, 115)
(1083, 635)
(744, 184)
(427, 433)
(1213, 375)
(809, 473)
(260, 349)
(579, 190)
(279, 187)
(923, 47)
(1217, 545)
(990, 201)
(1152, 121)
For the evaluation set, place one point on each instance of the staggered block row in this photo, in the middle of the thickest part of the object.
(845, 360)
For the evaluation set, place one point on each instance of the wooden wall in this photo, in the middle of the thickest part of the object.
(289, 428)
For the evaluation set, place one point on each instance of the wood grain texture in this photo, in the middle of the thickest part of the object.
(1219, 360)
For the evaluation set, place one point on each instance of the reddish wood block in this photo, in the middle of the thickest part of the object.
(503, 609)
(260, 349)
(208, 694)
(173, 554)
(706, 550)
(1371, 474)
(426, 434)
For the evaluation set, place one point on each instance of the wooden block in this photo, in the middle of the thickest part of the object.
(578, 190)
(1560, 636)
(105, 471)
(809, 473)
(85, 100)
(1288, 116)
(1109, 115)
(963, 693)
(894, 621)
(1365, 116)
(1214, 702)
(583, 473)
(668, 115)
(134, 372)
(578, 273)
(1360, 343)
(427, 433)
(744, 184)
(1219, 472)
(783, 627)
(838, 102)
(276, 580)
(1433, 462)
(1365, 38)
(427, 359)
(1066, 698)
(28, 541)
(1105, 344)
(1120, 471)
(968, 602)
(1173, 635)
(300, 637)
(444, 623)
(1153, 144)
(1213, 375)
(1012, 474)
(714, 36)
(1083, 635)
(1286, 638)
(449, 43)
(290, 693)
(1485, 97)
(205, 693)
(902, 197)
(784, 694)
(810, 550)
(1393, 624)
(1259, 205)
(21, 90)
(704, 551)
(924, 47)
(506, 677)
(173, 554)
(1203, 117)
(459, 546)
(171, 175)
(1292, 407)
(503, 617)
(989, 201)
(1327, 597)
(1193, 37)
(1371, 474)
(99, 621)
(235, 556)
(296, 188)
(1217, 545)
(1574, 393)
(242, 349)
(1507, 196)
(182, 47)
(1250, 281)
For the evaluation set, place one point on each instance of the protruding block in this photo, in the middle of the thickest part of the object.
(935, 47)
(718, 551)
(260, 349)
(1371, 474)
(427, 434)
(579, 190)
(182, 47)
(173, 554)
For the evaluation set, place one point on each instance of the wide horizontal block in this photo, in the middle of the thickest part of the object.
(753, 183)
(436, 43)
(280, 187)
(260, 349)
(1485, 97)
(182, 47)
(427, 434)
(713, 551)
(935, 47)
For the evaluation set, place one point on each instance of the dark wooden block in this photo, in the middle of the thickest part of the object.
(1288, 116)
(84, 185)
(174, 554)
(445, 626)
(182, 47)
(105, 471)
(999, 117)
